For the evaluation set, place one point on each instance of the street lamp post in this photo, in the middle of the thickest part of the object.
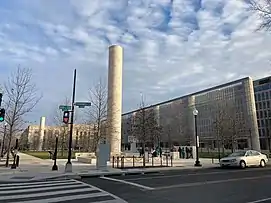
(3, 141)
(197, 162)
(55, 167)
(68, 167)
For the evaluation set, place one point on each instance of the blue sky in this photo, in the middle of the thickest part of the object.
(171, 47)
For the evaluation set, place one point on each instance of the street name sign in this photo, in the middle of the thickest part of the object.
(65, 107)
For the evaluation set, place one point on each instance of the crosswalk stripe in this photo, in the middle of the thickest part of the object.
(40, 189)
(34, 183)
(65, 198)
(43, 185)
(44, 194)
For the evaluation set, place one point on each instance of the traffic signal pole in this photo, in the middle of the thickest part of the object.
(68, 167)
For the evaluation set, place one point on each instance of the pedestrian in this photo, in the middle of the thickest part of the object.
(187, 152)
(180, 152)
(183, 153)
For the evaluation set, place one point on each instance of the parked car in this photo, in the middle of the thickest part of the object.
(244, 159)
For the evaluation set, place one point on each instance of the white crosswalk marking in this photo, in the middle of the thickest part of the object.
(55, 191)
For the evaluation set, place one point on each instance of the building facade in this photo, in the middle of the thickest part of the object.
(83, 136)
(262, 89)
(227, 116)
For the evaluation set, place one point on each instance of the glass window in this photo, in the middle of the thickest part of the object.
(255, 153)
(260, 105)
(268, 104)
(259, 97)
(263, 96)
(264, 105)
(265, 114)
(261, 114)
(266, 95)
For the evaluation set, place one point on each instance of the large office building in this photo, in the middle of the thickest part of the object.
(262, 89)
(226, 116)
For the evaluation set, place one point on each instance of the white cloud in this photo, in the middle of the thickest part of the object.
(170, 47)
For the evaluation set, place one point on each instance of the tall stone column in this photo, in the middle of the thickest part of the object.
(252, 116)
(190, 102)
(114, 102)
(41, 132)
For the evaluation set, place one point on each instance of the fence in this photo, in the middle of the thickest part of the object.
(138, 162)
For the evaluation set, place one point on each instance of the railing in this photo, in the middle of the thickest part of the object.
(138, 162)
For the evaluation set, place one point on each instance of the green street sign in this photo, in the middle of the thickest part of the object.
(82, 104)
(65, 108)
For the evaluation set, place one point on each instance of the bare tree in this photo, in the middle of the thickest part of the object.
(145, 127)
(235, 123)
(263, 9)
(98, 111)
(220, 119)
(20, 99)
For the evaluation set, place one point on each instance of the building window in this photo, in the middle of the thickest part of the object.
(259, 97)
(264, 105)
(268, 104)
(266, 95)
(263, 96)
(265, 114)
(260, 105)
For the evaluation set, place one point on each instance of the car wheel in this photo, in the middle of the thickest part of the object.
(242, 164)
(262, 163)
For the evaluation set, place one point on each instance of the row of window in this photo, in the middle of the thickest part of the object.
(262, 87)
(263, 105)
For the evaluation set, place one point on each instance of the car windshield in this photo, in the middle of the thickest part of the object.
(237, 154)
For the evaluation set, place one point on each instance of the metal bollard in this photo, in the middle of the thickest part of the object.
(113, 162)
(133, 161)
(118, 162)
(122, 162)
(166, 159)
(17, 160)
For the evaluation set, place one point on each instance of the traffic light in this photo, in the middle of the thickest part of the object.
(66, 116)
(2, 115)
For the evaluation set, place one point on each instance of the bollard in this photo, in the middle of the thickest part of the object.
(133, 161)
(171, 161)
(17, 160)
(152, 160)
(166, 159)
(122, 162)
(118, 162)
(113, 162)
(161, 161)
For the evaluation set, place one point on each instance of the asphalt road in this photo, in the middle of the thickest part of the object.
(191, 186)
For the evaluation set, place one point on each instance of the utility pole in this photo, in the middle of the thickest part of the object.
(68, 167)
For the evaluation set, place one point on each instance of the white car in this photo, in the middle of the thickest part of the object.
(244, 159)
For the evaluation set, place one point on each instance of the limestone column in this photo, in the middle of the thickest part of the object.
(190, 102)
(251, 111)
(114, 100)
(41, 133)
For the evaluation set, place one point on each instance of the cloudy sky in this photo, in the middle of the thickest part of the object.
(171, 47)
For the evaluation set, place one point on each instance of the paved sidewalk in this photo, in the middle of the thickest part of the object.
(33, 168)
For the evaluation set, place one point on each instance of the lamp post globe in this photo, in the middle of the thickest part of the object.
(195, 113)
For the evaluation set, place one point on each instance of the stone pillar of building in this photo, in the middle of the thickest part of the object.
(252, 116)
(190, 103)
(41, 133)
(114, 102)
